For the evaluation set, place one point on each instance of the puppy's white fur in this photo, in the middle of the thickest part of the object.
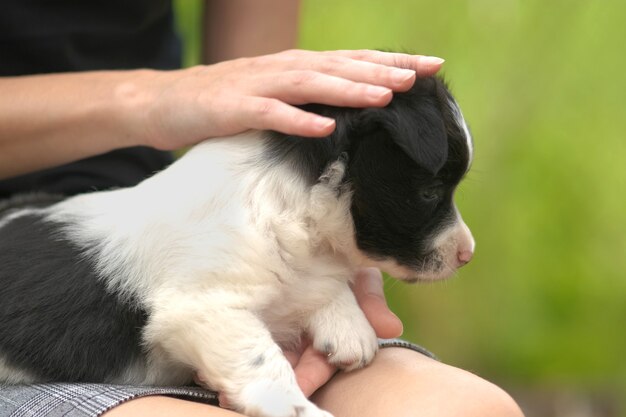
(237, 262)
(232, 253)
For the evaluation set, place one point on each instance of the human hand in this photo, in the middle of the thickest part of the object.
(311, 367)
(180, 108)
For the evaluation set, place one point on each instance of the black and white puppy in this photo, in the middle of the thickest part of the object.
(232, 252)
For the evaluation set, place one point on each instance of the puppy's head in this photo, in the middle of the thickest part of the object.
(401, 164)
(405, 162)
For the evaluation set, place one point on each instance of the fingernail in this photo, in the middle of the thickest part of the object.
(376, 92)
(432, 60)
(324, 123)
(400, 76)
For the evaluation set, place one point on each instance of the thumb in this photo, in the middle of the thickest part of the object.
(368, 290)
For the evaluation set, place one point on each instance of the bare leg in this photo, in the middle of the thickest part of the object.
(403, 383)
(399, 383)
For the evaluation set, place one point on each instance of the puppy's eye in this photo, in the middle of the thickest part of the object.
(431, 194)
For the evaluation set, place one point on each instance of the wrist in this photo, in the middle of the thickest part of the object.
(133, 98)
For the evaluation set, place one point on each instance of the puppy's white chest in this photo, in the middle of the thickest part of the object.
(301, 295)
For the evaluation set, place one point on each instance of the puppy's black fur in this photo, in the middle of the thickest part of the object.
(403, 159)
(58, 321)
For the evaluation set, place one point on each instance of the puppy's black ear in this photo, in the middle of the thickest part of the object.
(416, 127)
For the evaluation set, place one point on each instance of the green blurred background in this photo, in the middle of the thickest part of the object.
(541, 308)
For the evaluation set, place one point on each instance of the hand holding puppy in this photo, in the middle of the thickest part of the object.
(311, 367)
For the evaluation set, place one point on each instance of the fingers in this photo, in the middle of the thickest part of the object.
(396, 71)
(340, 78)
(368, 290)
(312, 368)
(394, 78)
(260, 93)
(312, 371)
(308, 86)
(421, 64)
(293, 357)
(273, 114)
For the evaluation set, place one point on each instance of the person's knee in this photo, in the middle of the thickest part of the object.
(403, 383)
(443, 390)
(472, 396)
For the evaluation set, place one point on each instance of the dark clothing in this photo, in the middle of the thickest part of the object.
(48, 36)
(121, 168)
(45, 36)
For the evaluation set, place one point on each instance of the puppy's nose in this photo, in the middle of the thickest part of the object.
(464, 256)
(465, 244)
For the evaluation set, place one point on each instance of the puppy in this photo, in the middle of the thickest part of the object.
(232, 252)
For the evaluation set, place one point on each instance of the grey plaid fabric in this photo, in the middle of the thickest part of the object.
(383, 343)
(92, 400)
(82, 400)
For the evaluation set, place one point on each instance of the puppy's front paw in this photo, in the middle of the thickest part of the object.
(269, 398)
(348, 346)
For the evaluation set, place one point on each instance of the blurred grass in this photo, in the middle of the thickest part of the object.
(542, 86)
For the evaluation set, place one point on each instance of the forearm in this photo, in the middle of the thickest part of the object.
(244, 28)
(48, 120)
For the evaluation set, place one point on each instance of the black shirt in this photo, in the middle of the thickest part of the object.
(48, 36)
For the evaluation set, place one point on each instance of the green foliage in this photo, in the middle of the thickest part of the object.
(189, 22)
(542, 87)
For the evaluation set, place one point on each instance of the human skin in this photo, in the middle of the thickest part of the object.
(399, 382)
(51, 119)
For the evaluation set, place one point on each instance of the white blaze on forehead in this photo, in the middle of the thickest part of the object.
(460, 120)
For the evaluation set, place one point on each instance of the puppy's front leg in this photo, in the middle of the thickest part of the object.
(234, 352)
(341, 330)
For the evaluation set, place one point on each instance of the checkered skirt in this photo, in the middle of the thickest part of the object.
(92, 400)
